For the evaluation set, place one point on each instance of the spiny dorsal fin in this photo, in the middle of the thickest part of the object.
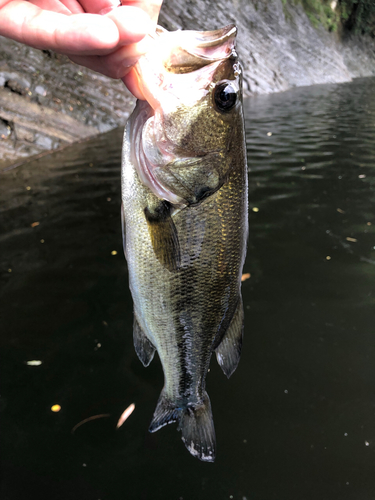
(229, 350)
(143, 347)
(163, 235)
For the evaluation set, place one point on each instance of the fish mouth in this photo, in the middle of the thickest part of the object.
(175, 59)
(199, 48)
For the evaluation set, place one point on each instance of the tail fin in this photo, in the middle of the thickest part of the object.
(165, 413)
(198, 432)
(196, 425)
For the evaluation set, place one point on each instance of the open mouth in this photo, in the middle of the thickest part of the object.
(181, 61)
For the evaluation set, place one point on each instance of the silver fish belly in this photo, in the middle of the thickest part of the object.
(184, 210)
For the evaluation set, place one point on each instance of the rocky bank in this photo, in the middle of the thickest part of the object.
(278, 46)
(47, 102)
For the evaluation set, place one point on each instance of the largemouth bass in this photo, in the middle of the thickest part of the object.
(184, 195)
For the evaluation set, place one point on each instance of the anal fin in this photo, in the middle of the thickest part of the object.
(143, 347)
(163, 234)
(228, 352)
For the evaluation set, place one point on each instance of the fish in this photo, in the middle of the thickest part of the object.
(185, 220)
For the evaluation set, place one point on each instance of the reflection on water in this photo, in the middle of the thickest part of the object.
(296, 421)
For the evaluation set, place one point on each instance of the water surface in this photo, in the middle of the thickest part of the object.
(297, 419)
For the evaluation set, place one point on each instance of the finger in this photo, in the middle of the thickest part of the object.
(73, 6)
(74, 34)
(130, 21)
(100, 65)
(131, 80)
(99, 6)
(152, 7)
(53, 5)
(118, 63)
(63, 6)
(43, 29)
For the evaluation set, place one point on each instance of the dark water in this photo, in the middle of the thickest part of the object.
(297, 419)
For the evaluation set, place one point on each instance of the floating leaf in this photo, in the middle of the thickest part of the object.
(129, 410)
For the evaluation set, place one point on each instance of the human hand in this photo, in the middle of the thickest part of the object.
(98, 34)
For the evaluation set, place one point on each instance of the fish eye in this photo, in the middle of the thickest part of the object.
(225, 96)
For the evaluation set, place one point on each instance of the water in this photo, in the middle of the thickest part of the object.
(297, 419)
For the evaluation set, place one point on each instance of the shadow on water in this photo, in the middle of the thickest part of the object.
(297, 419)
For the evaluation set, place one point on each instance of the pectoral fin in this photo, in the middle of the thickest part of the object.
(163, 234)
(229, 350)
(143, 347)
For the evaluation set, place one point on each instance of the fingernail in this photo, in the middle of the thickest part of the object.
(128, 63)
(125, 66)
(115, 4)
(145, 45)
